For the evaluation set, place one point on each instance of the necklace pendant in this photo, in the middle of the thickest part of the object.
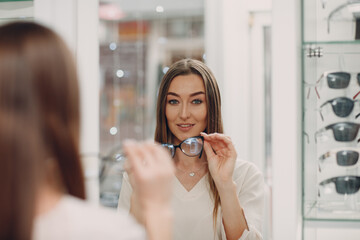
(191, 174)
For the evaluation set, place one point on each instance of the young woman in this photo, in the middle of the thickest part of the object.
(216, 195)
(41, 178)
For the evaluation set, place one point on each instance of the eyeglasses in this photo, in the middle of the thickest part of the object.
(341, 106)
(345, 157)
(344, 184)
(191, 147)
(336, 80)
(343, 131)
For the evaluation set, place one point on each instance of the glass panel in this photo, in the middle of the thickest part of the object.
(139, 39)
(323, 144)
(331, 53)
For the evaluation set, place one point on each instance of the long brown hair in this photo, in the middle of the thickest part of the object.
(39, 120)
(212, 94)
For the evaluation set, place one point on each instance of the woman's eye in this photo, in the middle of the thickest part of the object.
(173, 101)
(197, 101)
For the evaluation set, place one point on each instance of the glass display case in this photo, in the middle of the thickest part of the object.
(331, 111)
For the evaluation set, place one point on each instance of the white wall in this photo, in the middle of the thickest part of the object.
(229, 49)
(286, 124)
(227, 54)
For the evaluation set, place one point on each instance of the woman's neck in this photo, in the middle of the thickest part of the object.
(47, 199)
(51, 189)
(185, 162)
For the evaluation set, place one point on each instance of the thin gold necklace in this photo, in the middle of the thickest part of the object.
(191, 173)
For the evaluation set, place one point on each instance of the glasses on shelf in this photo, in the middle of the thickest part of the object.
(343, 131)
(335, 80)
(191, 147)
(344, 157)
(341, 106)
(344, 184)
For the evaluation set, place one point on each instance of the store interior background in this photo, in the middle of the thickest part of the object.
(122, 49)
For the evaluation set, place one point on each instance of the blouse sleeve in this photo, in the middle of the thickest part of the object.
(125, 194)
(250, 189)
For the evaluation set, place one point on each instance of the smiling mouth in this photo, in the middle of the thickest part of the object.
(185, 125)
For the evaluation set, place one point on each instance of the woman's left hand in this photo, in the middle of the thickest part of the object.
(221, 156)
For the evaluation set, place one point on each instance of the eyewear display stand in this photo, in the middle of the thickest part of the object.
(331, 136)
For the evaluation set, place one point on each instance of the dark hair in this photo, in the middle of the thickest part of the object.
(39, 108)
(212, 94)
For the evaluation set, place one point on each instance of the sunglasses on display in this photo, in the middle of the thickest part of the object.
(336, 80)
(191, 147)
(343, 131)
(341, 106)
(345, 157)
(344, 184)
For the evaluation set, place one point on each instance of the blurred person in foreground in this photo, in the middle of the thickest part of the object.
(216, 194)
(41, 177)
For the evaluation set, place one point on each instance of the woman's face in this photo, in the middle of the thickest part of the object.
(186, 107)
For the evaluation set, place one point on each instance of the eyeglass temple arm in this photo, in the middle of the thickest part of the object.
(330, 180)
(325, 156)
(355, 96)
(321, 131)
(320, 109)
(317, 82)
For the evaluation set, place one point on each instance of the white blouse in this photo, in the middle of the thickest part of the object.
(193, 219)
(76, 219)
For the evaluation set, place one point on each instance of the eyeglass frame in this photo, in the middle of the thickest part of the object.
(172, 146)
(332, 106)
(330, 127)
(333, 180)
(334, 153)
(324, 75)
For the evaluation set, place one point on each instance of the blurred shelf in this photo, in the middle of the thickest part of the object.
(331, 42)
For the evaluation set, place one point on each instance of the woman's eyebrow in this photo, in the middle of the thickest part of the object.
(172, 93)
(197, 93)
(191, 95)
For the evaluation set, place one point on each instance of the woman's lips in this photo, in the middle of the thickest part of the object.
(185, 127)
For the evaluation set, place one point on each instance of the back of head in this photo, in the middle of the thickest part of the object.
(213, 99)
(39, 122)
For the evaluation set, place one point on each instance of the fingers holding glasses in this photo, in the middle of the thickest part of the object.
(220, 142)
(221, 157)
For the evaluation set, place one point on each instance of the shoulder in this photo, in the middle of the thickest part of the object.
(75, 217)
(245, 168)
(247, 173)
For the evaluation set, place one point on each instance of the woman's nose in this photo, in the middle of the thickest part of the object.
(184, 112)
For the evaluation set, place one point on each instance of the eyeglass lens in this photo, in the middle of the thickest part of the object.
(342, 106)
(191, 147)
(347, 158)
(345, 184)
(338, 80)
(344, 132)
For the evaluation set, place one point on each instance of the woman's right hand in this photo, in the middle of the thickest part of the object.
(151, 171)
